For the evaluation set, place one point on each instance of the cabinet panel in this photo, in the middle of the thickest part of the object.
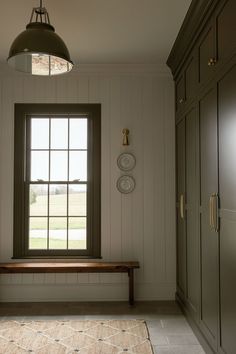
(207, 57)
(209, 238)
(186, 84)
(227, 183)
(181, 234)
(180, 93)
(226, 30)
(193, 274)
(190, 80)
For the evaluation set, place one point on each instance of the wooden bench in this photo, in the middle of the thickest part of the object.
(74, 267)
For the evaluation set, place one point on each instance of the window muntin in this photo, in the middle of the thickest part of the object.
(57, 182)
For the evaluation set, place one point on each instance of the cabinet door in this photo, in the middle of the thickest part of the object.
(192, 218)
(209, 238)
(186, 84)
(207, 55)
(181, 234)
(227, 183)
(226, 30)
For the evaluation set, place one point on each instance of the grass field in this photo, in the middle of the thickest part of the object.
(41, 243)
(58, 221)
(58, 205)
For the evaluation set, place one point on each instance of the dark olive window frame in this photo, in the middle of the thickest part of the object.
(23, 114)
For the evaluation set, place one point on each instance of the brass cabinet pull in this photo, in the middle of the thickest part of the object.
(211, 62)
(213, 212)
(182, 206)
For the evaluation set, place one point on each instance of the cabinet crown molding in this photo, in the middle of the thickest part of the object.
(195, 19)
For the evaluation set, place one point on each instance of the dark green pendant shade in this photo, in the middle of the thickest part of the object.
(39, 50)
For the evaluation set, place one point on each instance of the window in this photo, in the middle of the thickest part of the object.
(57, 181)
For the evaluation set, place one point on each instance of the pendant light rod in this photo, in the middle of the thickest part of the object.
(40, 14)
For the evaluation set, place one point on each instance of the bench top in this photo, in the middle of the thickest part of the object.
(67, 267)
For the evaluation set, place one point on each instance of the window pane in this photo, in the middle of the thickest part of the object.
(59, 133)
(38, 233)
(39, 133)
(57, 233)
(77, 200)
(78, 165)
(38, 200)
(39, 165)
(78, 133)
(58, 200)
(77, 233)
(59, 166)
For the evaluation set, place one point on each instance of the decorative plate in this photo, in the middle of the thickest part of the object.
(126, 161)
(125, 184)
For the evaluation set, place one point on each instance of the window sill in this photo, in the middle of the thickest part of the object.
(52, 258)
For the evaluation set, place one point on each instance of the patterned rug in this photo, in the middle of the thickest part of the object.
(70, 337)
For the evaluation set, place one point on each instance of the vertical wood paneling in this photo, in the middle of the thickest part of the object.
(94, 89)
(45, 90)
(139, 226)
(150, 152)
(138, 173)
(83, 89)
(115, 146)
(50, 278)
(126, 199)
(72, 278)
(27, 279)
(71, 89)
(160, 178)
(39, 278)
(17, 278)
(61, 89)
(19, 90)
(30, 95)
(115, 196)
(170, 258)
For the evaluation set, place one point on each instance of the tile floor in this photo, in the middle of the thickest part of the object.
(168, 329)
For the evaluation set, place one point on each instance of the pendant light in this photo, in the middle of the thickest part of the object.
(39, 50)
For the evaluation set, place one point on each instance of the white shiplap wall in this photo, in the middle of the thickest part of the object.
(139, 226)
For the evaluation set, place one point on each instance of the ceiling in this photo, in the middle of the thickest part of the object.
(103, 31)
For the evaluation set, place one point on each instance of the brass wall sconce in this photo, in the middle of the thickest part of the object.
(125, 133)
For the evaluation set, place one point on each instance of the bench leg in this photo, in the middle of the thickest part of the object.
(131, 286)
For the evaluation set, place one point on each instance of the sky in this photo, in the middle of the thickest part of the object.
(59, 134)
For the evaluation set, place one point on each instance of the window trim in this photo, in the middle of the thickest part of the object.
(20, 237)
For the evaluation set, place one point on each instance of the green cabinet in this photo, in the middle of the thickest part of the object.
(203, 63)
(207, 54)
(187, 210)
(226, 30)
(192, 239)
(227, 184)
(208, 143)
(181, 227)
